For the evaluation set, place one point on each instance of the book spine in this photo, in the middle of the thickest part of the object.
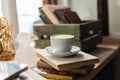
(43, 19)
(53, 1)
(61, 18)
(45, 2)
(44, 15)
(60, 14)
(83, 70)
(49, 14)
(72, 17)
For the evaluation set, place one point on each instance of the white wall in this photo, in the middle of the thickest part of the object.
(87, 9)
(114, 18)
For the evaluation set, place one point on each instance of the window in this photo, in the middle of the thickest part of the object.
(28, 13)
(21, 13)
(1, 14)
(9, 11)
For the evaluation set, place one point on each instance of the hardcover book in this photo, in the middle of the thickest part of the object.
(63, 63)
(60, 14)
(72, 17)
(82, 70)
(43, 19)
(53, 1)
(45, 16)
(49, 12)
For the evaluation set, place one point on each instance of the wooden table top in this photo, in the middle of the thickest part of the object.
(26, 54)
(105, 52)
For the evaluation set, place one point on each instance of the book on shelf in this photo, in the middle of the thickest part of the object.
(44, 15)
(82, 70)
(49, 12)
(53, 1)
(45, 2)
(43, 19)
(63, 63)
(60, 14)
(72, 17)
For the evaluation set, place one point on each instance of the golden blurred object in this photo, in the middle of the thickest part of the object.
(7, 50)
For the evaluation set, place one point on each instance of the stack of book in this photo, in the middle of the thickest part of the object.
(58, 14)
(64, 68)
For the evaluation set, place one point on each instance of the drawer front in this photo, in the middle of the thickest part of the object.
(90, 29)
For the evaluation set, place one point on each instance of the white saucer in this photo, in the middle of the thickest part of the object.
(73, 51)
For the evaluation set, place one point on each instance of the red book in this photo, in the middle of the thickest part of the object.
(72, 17)
(49, 2)
(60, 14)
(45, 2)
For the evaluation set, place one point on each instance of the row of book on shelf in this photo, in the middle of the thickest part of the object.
(64, 68)
(58, 14)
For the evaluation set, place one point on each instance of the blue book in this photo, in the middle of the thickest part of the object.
(43, 19)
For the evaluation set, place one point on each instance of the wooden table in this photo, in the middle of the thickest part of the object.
(105, 52)
(26, 54)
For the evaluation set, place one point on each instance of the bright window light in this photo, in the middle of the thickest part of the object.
(1, 14)
(28, 13)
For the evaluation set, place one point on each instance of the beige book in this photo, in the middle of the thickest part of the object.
(44, 15)
(62, 63)
(82, 70)
(49, 12)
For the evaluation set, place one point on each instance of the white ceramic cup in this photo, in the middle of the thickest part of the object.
(61, 42)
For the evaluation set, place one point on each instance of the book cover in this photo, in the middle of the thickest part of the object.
(44, 15)
(45, 2)
(9, 70)
(72, 17)
(63, 63)
(43, 19)
(60, 14)
(82, 70)
(53, 1)
(49, 12)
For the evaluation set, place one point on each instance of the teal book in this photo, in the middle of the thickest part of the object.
(10, 70)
